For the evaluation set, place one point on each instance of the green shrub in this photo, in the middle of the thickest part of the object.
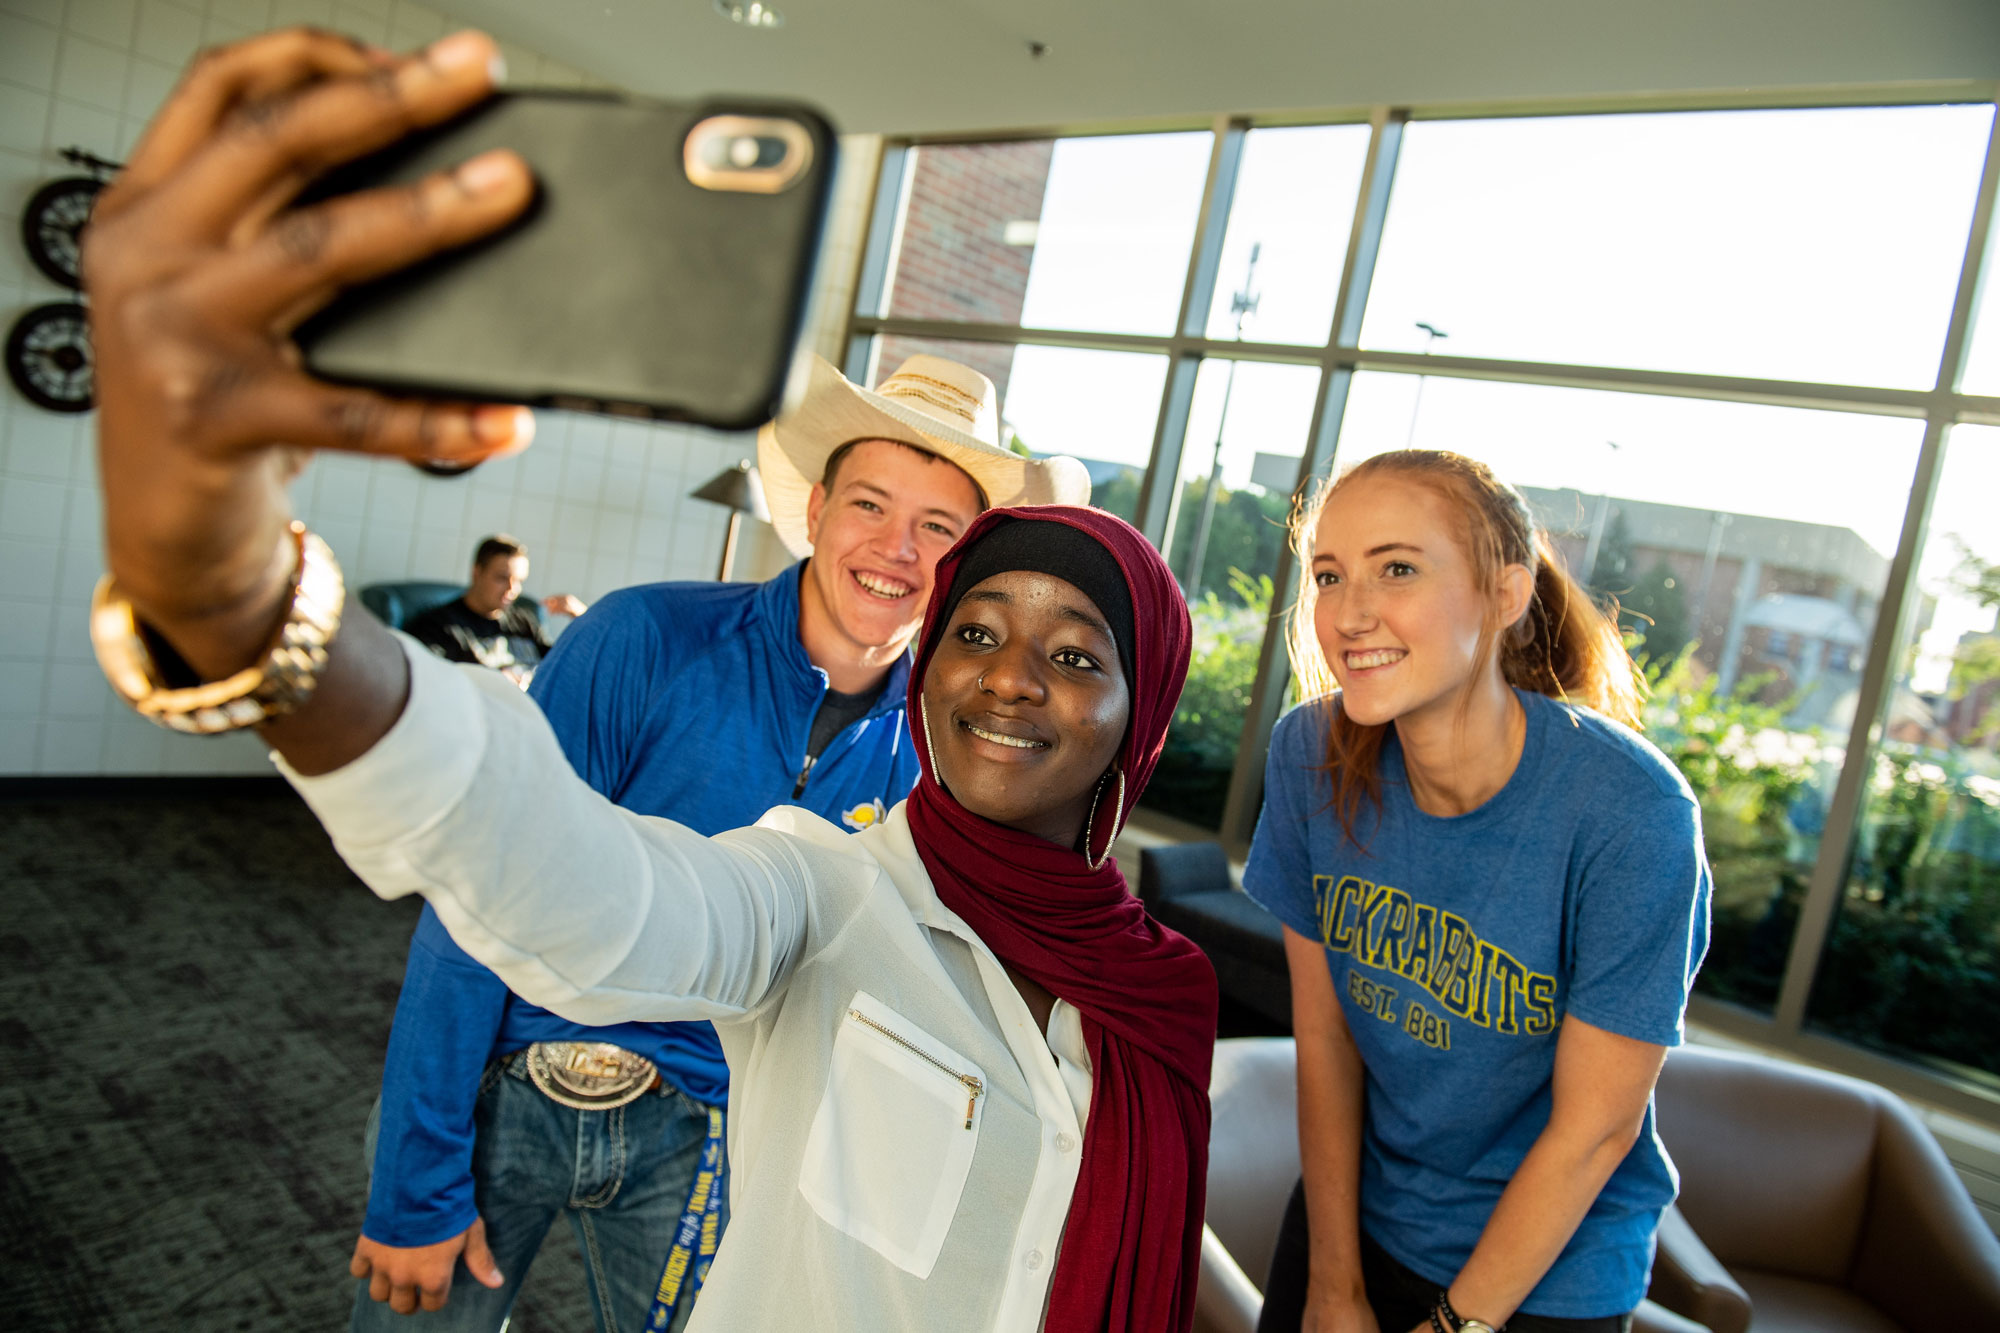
(1912, 961)
(1752, 778)
(1193, 777)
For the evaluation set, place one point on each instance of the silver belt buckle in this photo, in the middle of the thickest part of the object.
(589, 1075)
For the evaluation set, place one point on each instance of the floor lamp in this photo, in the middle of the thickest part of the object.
(739, 490)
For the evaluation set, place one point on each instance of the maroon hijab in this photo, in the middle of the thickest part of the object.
(1131, 1247)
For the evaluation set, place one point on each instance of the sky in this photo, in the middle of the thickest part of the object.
(1811, 245)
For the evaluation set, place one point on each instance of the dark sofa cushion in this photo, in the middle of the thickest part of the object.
(1187, 887)
(1227, 921)
(397, 604)
(1180, 870)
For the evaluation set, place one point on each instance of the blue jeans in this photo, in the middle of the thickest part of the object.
(621, 1176)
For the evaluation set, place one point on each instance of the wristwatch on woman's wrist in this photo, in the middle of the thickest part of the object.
(1444, 1319)
(140, 666)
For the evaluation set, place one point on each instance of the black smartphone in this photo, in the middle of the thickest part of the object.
(662, 271)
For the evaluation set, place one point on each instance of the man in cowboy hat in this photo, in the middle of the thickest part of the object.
(706, 704)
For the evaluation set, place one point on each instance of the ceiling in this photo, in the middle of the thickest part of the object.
(957, 65)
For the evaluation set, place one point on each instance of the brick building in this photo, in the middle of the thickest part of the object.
(965, 247)
(1968, 717)
(1760, 596)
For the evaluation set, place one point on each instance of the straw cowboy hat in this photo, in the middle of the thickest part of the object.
(931, 404)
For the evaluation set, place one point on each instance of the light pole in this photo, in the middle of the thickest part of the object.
(1596, 543)
(1431, 334)
(1242, 303)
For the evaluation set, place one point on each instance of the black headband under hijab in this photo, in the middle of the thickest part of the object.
(1037, 546)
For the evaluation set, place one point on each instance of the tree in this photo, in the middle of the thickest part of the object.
(1977, 660)
(1246, 532)
(1979, 579)
(1655, 613)
(1200, 752)
(1120, 495)
(1611, 575)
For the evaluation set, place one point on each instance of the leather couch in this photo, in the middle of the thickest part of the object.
(1253, 1162)
(1822, 1199)
(396, 604)
(1830, 1204)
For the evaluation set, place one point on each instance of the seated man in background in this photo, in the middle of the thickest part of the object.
(706, 703)
(486, 627)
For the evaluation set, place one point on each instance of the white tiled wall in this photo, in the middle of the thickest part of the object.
(599, 503)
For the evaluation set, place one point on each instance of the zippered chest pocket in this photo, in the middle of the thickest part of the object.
(892, 1142)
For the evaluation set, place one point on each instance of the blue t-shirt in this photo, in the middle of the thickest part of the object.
(1457, 945)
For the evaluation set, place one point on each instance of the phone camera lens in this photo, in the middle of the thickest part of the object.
(755, 152)
(758, 154)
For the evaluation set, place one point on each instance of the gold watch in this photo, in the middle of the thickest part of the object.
(282, 679)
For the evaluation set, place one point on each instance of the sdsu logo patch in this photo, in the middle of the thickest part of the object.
(866, 815)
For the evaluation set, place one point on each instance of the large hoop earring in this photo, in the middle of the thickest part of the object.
(1090, 820)
(930, 746)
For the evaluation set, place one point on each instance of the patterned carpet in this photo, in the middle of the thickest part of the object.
(194, 998)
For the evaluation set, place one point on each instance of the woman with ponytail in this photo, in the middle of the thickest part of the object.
(1495, 898)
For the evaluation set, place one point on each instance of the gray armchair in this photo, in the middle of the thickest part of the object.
(1822, 1201)
(1828, 1202)
(1253, 1162)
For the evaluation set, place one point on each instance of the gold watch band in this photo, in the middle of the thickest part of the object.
(279, 682)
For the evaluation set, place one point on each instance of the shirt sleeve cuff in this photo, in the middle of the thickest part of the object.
(1647, 1029)
(419, 1225)
(1286, 906)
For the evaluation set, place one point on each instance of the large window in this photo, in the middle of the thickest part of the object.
(1982, 365)
(1795, 245)
(1705, 343)
(1074, 234)
(1912, 965)
(1247, 433)
(1279, 269)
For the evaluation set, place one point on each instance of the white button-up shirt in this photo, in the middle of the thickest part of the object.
(903, 1140)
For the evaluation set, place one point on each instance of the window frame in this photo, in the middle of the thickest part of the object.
(1341, 357)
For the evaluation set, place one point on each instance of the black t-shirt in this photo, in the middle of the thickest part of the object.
(457, 633)
(836, 712)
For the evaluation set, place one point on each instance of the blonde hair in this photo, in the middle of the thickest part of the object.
(1564, 646)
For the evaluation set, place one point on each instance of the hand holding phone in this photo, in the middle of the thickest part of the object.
(662, 271)
(199, 267)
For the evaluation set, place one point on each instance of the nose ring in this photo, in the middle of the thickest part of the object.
(981, 682)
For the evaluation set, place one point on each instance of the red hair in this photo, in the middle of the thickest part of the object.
(1564, 646)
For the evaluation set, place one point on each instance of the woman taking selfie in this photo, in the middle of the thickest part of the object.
(969, 1074)
(1495, 898)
